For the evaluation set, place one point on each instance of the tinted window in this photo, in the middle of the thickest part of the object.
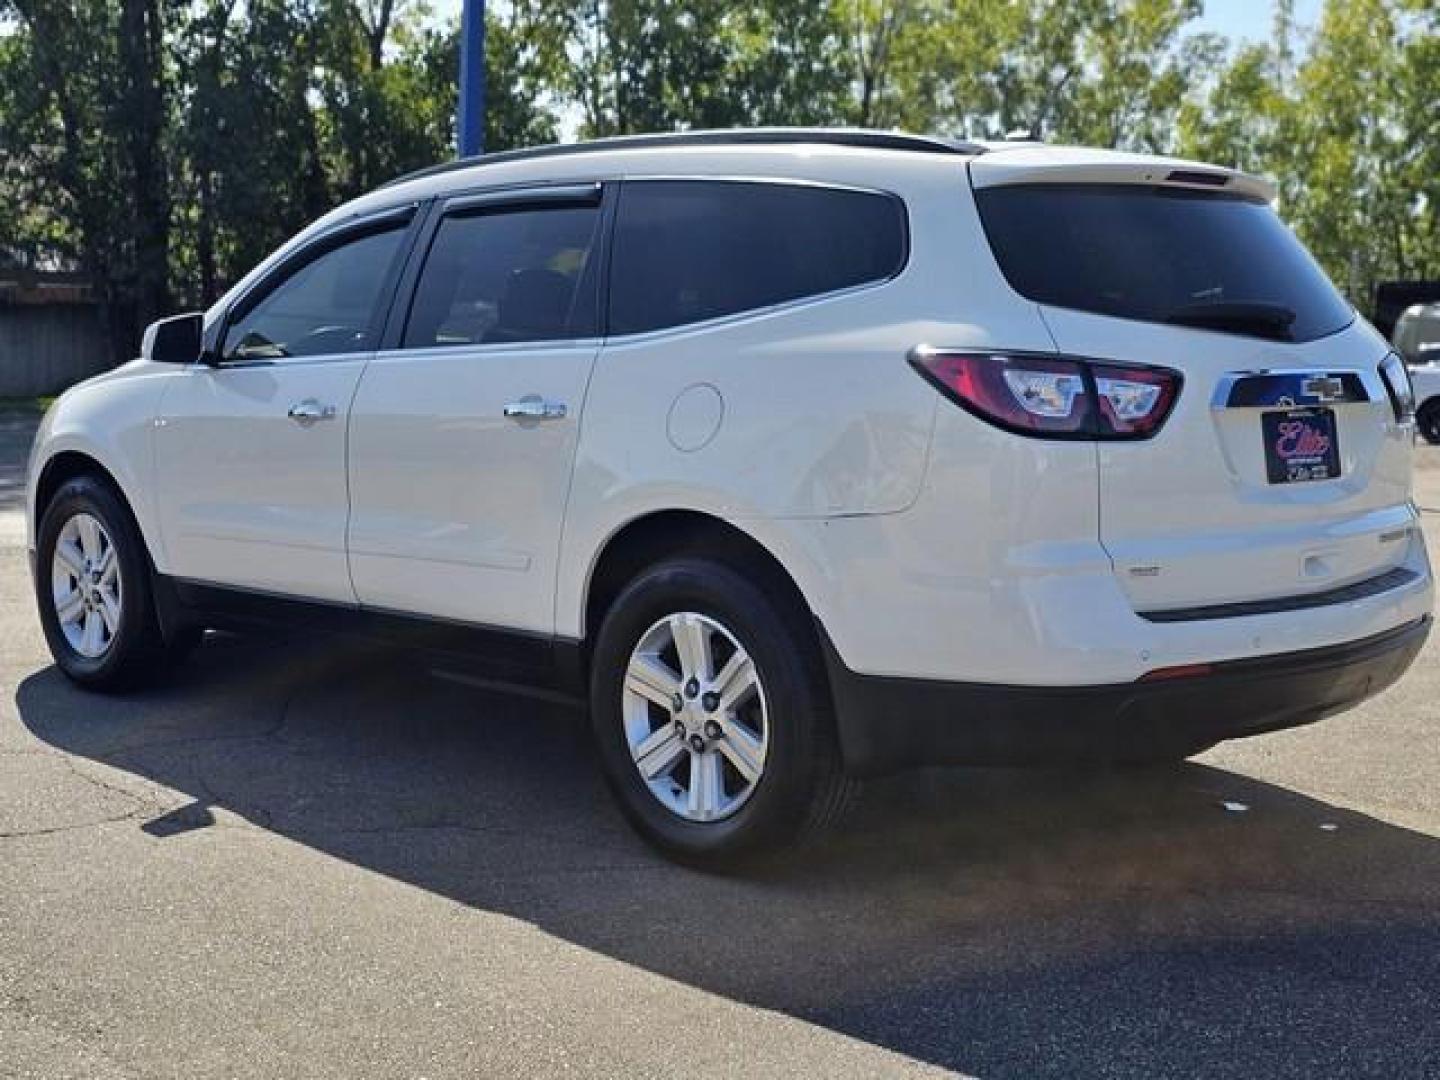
(327, 306)
(689, 250)
(1159, 255)
(509, 276)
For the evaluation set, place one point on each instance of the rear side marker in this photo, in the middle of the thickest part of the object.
(1053, 397)
(1180, 671)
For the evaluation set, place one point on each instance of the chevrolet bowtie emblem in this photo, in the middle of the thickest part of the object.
(1324, 387)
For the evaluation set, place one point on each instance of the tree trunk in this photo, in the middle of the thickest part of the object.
(205, 238)
(379, 32)
(142, 121)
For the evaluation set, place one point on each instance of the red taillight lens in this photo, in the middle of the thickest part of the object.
(1034, 395)
(1052, 396)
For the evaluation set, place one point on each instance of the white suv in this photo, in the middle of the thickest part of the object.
(797, 455)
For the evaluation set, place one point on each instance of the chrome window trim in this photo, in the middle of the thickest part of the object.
(548, 345)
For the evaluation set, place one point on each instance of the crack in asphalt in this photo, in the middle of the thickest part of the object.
(52, 830)
(74, 769)
(138, 804)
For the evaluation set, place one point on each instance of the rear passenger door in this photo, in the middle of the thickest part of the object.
(464, 426)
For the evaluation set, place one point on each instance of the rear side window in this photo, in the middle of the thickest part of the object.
(1161, 255)
(688, 250)
(507, 276)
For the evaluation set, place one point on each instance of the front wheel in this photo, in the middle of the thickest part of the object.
(92, 584)
(711, 714)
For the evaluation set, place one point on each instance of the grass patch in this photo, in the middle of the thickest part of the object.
(26, 404)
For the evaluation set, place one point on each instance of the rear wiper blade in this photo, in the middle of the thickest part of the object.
(1245, 316)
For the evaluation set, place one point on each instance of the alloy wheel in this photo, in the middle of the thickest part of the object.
(86, 587)
(695, 717)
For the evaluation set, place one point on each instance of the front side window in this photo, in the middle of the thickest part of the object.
(688, 250)
(507, 276)
(325, 307)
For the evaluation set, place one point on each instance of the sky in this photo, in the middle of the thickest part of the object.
(1249, 19)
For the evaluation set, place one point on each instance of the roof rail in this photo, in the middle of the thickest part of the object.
(768, 136)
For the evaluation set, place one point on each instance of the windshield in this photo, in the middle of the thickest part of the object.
(1201, 259)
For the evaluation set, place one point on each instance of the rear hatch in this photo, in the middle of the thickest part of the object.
(1282, 469)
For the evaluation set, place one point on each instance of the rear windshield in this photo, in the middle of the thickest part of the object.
(1202, 259)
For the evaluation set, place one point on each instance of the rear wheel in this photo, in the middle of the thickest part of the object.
(711, 714)
(92, 583)
(1427, 421)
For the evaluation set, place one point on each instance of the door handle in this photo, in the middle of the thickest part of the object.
(309, 411)
(534, 407)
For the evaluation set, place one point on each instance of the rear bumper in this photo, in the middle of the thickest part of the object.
(889, 724)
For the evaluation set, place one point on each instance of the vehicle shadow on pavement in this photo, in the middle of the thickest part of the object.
(1005, 924)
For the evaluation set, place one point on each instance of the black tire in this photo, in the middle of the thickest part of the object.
(1427, 422)
(137, 651)
(803, 788)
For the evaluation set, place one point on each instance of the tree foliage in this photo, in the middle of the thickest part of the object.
(164, 146)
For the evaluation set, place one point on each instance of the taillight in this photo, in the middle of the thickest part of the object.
(1053, 397)
(1396, 377)
(1134, 401)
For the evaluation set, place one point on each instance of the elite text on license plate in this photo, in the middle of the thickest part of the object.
(1300, 445)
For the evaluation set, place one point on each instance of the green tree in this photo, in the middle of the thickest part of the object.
(1346, 122)
(248, 168)
(788, 63)
(652, 65)
(83, 102)
(165, 146)
(1139, 66)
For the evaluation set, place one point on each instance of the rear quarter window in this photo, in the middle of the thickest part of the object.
(690, 250)
(1151, 253)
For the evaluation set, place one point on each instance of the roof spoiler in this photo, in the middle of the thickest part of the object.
(1073, 165)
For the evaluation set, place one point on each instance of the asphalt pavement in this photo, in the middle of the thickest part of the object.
(305, 858)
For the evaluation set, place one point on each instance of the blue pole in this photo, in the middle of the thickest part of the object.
(472, 78)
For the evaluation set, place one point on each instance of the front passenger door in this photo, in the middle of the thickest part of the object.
(250, 450)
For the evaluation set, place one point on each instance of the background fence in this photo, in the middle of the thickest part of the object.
(46, 347)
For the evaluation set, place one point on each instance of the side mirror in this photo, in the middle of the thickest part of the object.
(176, 340)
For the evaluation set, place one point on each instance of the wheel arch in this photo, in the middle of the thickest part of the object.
(66, 464)
(643, 540)
(662, 534)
